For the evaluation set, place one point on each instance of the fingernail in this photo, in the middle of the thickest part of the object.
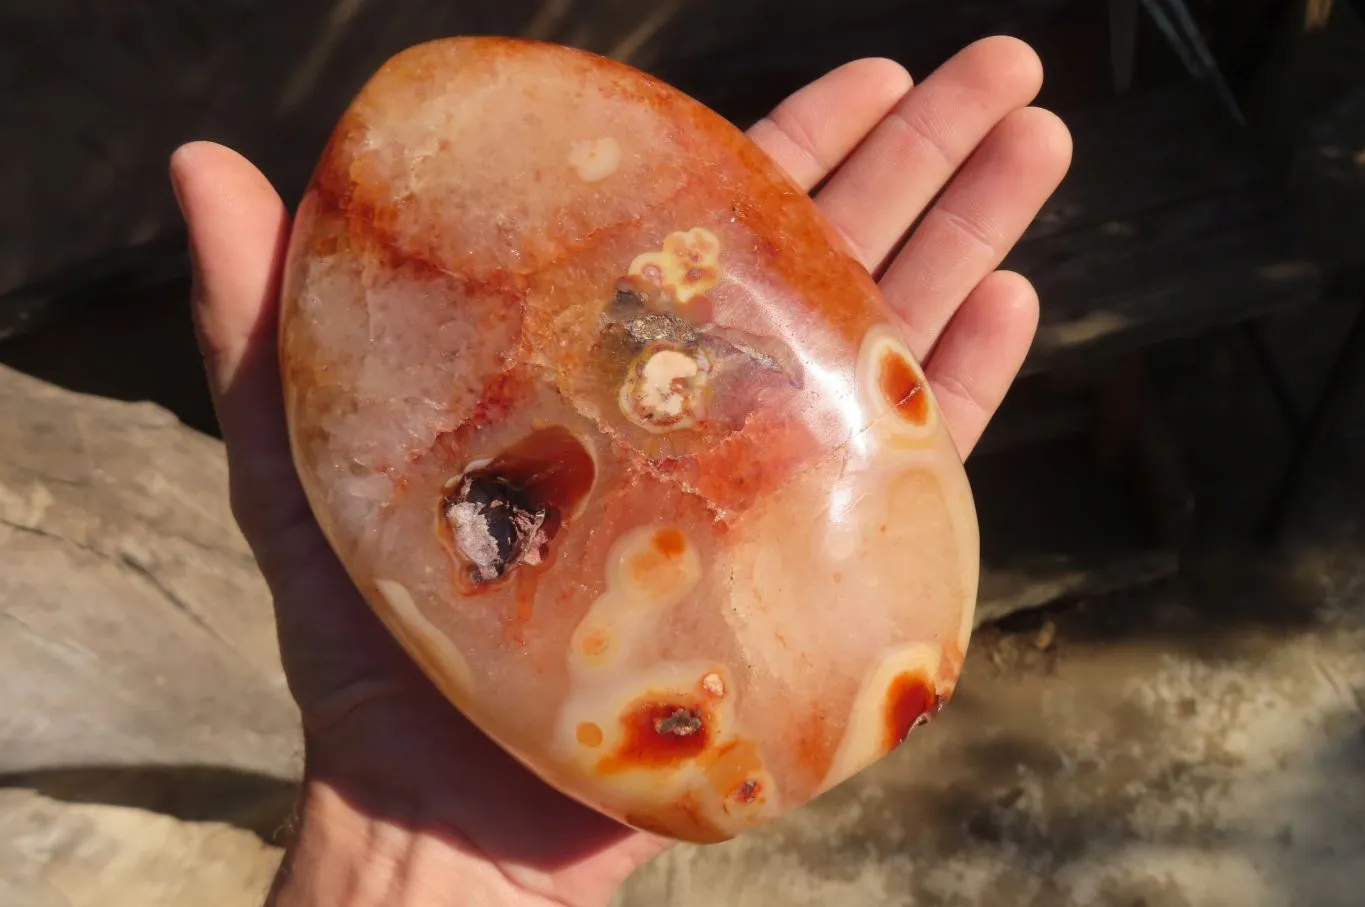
(175, 188)
(175, 167)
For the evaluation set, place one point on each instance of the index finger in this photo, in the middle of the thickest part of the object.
(813, 130)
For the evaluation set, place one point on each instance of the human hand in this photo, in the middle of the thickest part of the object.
(405, 802)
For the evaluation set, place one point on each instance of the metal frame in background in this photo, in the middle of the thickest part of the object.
(1177, 24)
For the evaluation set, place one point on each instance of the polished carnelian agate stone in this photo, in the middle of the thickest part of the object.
(619, 442)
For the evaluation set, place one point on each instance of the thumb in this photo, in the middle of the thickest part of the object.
(238, 235)
(238, 231)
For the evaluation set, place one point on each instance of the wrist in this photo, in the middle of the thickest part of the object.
(343, 856)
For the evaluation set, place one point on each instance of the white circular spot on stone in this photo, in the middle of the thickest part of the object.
(656, 389)
(664, 390)
(595, 159)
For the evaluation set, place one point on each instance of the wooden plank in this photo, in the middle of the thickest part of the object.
(1173, 271)
(1144, 152)
(109, 89)
(1123, 28)
(1035, 410)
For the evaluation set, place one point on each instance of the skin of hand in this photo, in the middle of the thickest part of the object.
(403, 801)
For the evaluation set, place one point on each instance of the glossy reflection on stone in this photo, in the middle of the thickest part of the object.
(620, 444)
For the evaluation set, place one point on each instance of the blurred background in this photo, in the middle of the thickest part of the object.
(1163, 703)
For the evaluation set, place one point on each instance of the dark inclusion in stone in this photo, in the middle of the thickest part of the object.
(635, 318)
(505, 513)
(494, 527)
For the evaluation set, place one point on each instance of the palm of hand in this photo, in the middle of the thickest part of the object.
(378, 734)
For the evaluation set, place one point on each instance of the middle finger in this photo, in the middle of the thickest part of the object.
(875, 197)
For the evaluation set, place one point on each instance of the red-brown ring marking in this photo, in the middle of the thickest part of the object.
(910, 701)
(547, 471)
(730, 766)
(632, 399)
(731, 774)
(660, 731)
(901, 385)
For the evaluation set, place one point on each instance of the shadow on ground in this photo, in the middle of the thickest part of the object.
(254, 802)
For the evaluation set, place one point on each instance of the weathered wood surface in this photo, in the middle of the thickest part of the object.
(1171, 273)
(1167, 225)
(149, 748)
(134, 626)
(98, 95)
(1329, 175)
(60, 854)
(1036, 409)
(1143, 152)
(1054, 527)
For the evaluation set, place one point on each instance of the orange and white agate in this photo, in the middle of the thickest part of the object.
(618, 441)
